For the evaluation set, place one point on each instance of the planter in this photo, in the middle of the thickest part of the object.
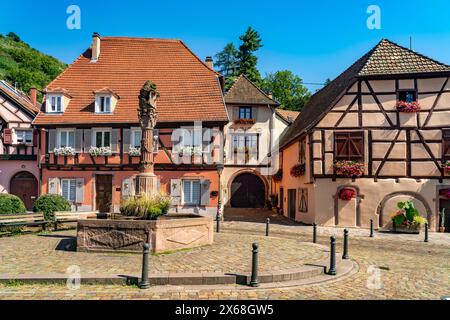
(298, 170)
(245, 121)
(405, 229)
(168, 233)
(349, 169)
(408, 107)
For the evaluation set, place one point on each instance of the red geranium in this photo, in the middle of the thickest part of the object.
(347, 194)
(409, 107)
(348, 168)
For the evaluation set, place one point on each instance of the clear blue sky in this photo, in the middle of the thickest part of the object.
(314, 39)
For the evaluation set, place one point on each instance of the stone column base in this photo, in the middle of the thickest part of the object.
(147, 183)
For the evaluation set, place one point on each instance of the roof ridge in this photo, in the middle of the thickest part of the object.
(139, 39)
(254, 85)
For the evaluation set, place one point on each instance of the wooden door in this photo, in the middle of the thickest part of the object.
(445, 204)
(292, 200)
(103, 190)
(25, 186)
(247, 191)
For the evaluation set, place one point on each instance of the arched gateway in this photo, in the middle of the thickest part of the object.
(247, 191)
(24, 185)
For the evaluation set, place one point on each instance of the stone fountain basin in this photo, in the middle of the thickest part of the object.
(168, 233)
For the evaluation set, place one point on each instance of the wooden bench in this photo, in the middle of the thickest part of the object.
(23, 220)
(67, 217)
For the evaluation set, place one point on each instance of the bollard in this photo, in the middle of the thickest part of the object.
(345, 254)
(314, 233)
(145, 283)
(332, 269)
(254, 279)
(371, 228)
(217, 223)
(426, 232)
(267, 227)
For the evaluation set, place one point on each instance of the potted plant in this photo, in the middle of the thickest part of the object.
(145, 208)
(446, 166)
(408, 107)
(64, 151)
(278, 176)
(347, 194)
(407, 219)
(100, 151)
(134, 152)
(298, 170)
(349, 168)
(244, 121)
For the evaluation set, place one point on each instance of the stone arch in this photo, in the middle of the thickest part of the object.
(412, 194)
(359, 196)
(248, 181)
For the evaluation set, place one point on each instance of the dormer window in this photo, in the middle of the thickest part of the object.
(103, 104)
(55, 103)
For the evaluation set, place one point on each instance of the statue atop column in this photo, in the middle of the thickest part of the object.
(146, 179)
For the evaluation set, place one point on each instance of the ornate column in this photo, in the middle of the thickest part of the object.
(146, 180)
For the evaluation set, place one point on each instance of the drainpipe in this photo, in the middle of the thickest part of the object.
(272, 114)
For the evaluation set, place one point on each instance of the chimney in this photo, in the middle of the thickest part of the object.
(209, 62)
(95, 47)
(270, 96)
(33, 96)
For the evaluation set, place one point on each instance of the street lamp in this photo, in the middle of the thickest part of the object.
(220, 167)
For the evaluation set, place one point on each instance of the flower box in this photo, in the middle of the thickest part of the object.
(64, 151)
(407, 219)
(446, 167)
(408, 107)
(298, 170)
(245, 121)
(347, 194)
(349, 169)
(98, 152)
(134, 152)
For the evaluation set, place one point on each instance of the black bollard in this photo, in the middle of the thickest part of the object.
(345, 254)
(254, 279)
(426, 232)
(218, 223)
(314, 233)
(332, 269)
(267, 227)
(371, 228)
(145, 283)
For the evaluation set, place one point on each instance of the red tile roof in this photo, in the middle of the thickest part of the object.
(18, 96)
(189, 89)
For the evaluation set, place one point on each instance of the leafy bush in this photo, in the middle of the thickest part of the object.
(50, 203)
(408, 215)
(11, 204)
(145, 207)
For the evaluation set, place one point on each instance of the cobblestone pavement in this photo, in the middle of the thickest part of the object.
(390, 267)
(47, 254)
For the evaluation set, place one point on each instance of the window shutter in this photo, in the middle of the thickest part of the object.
(235, 113)
(51, 140)
(126, 140)
(175, 191)
(35, 137)
(87, 139)
(349, 145)
(7, 136)
(115, 140)
(126, 187)
(204, 192)
(78, 140)
(53, 185)
(255, 113)
(80, 190)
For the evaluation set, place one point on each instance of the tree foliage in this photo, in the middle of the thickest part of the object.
(27, 67)
(287, 88)
(251, 42)
(227, 63)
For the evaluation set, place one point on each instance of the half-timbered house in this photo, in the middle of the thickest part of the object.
(19, 171)
(90, 133)
(378, 134)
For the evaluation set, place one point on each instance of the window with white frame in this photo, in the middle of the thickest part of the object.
(136, 137)
(54, 103)
(66, 138)
(102, 138)
(191, 192)
(24, 136)
(191, 137)
(103, 104)
(69, 189)
(247, 143)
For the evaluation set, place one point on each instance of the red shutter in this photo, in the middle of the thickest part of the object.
(35, 137)
(7, 136)
(349, 145)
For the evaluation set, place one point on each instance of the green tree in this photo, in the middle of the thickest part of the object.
(13, 36)
(247, 60)
(288, 89)
(226, 63)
